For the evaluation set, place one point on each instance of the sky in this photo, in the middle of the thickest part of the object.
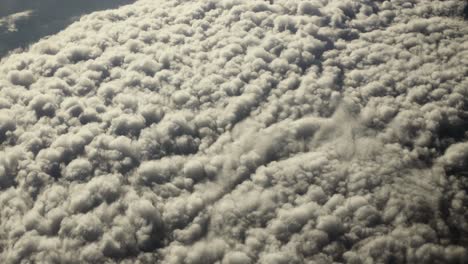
(42, 18)
(239, 132)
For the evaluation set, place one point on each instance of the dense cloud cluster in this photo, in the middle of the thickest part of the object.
(240, 131)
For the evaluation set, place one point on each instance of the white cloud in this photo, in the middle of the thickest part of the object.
(239, 132)
(9, 23)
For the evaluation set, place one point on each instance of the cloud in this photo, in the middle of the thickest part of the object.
(24, 22)
(9, 23)
(456, 156)
(239, 132)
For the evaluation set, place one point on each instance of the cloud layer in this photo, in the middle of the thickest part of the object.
(239, 132)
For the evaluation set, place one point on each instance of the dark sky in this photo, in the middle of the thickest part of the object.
(48, 17)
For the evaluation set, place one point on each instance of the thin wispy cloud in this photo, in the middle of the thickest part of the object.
(23, 22)
(9, 23)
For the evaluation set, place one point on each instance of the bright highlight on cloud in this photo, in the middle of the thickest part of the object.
(239, 132)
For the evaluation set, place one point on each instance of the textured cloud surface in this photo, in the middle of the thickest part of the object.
(240, 132)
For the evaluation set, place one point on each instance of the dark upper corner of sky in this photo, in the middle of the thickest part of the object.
(465, 11)
(48, 17)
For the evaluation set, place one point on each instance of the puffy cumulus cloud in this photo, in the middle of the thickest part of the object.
(239, 132)
(456, 156)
